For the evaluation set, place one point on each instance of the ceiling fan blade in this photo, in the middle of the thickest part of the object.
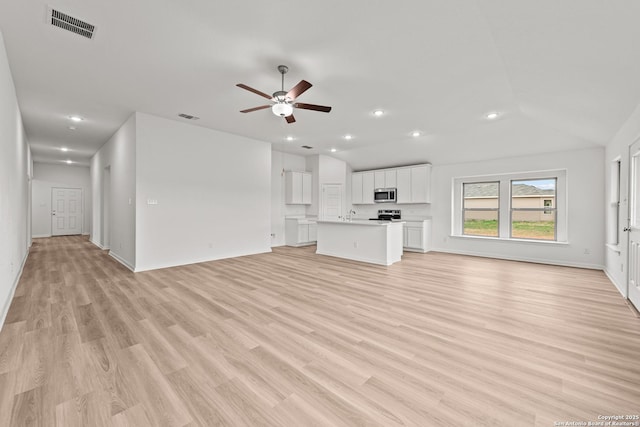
(256, 91)
(312, 107)
(298, 89)
(290, 119)
(262, 107)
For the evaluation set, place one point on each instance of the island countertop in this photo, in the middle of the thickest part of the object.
(360, 222)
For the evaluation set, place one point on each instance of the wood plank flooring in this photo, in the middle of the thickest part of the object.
(293, 339)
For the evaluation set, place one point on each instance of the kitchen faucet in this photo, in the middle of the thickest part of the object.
(351, 212)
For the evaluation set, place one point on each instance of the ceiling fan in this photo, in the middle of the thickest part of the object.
(284, 102)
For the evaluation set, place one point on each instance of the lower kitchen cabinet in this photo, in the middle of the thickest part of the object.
(417, 236)
(300, 231)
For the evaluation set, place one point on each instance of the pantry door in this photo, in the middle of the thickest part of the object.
(331, 202)
(66, 211)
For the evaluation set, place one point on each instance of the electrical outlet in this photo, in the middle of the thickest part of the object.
(587, 251)
(355, 244)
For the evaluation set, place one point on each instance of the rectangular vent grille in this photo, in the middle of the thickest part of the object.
(307, 147)
(188, 117)
(69, 23)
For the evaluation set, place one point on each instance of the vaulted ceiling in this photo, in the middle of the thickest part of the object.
(561, 74)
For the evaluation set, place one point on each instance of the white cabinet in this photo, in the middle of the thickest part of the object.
(413, 184)
(403, 186)
(417, 235)
(367, 188)
(297, 188)
(390, 178)
(420, 184)
(300, 232)
(356, 188)
(378, 179)
(384, 178)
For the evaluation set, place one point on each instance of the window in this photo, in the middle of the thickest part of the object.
(529, 206)
(532, 213)
(481, 209)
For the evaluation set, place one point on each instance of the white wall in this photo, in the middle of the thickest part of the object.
(586, 212)
(119, 153)
(213, 193)
(616, 260)
(15, 175)
(279, 209)
(45, 177)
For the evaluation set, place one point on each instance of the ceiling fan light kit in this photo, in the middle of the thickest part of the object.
(283, 101)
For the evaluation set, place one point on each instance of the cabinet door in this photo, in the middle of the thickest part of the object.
(303, 233)
(367, 188)
(403, 185)
(378, 179)
(293, 188)
(313, 232)
(356, 188)
(420, 184)
(306, 188)
(390, 178)
(414, 237)
(404, 237)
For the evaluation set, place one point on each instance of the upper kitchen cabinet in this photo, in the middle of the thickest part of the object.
(413, 184)
(421, 184)
(356, 188)
(297, 188)
(367, 188)
(385, 178)
(362, 186)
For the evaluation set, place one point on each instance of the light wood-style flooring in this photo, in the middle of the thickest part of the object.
(296, 339)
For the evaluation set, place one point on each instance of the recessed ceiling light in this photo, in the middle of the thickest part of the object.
(492, 115)
(76, 119)
(64, 149)
(289, 138)
(333, 150)
(415, 133)
(72, 128)
(69, 162)
(378, 113)
(348, 137)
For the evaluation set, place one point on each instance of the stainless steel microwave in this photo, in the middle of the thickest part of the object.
(384, 195)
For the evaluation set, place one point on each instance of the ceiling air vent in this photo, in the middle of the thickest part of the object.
(69, 23)
(307, 147)
(188, 117)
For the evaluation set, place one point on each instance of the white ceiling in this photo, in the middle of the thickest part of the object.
(563, 74)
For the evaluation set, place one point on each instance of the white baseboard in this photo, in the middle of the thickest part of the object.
(40, 236)
(523, 259)
(621, 287)
(97, 244)
(7, 304)
(121, 261)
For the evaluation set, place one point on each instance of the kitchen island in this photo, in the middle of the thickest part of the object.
(375, 242)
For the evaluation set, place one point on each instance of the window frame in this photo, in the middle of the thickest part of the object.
(542, 209)
(504, 220)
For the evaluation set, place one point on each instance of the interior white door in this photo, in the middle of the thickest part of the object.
(633, 282)
(66, 211)
(331, 202)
